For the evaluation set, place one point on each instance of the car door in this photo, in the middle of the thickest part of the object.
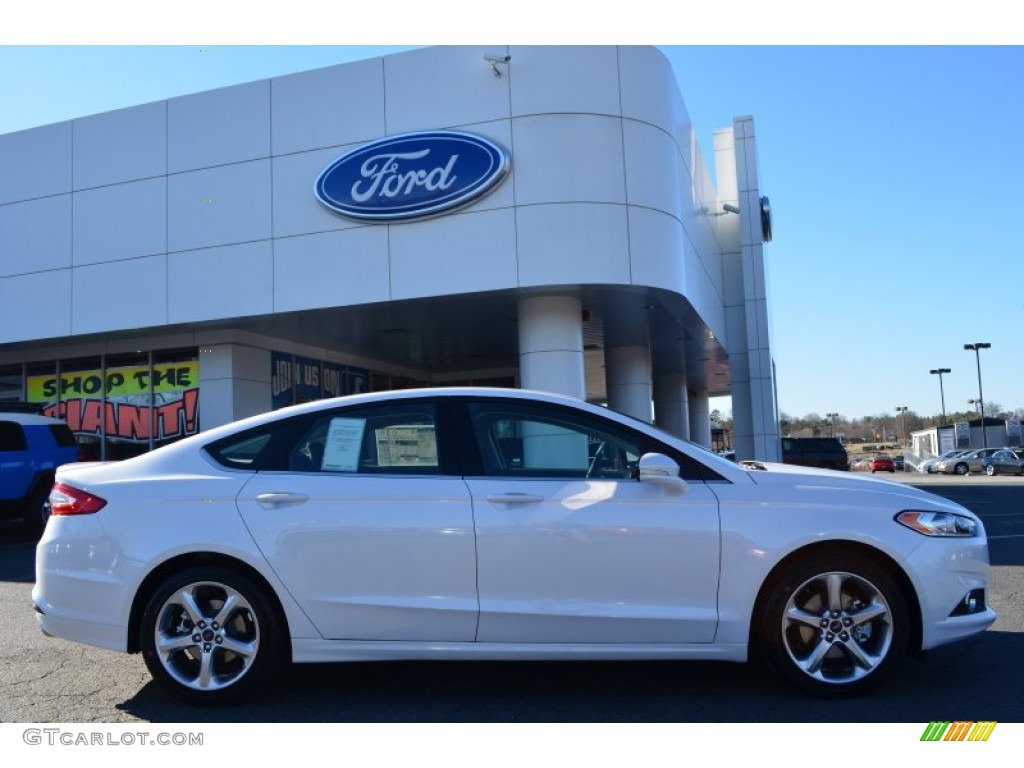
(570, 547)
(368, 527)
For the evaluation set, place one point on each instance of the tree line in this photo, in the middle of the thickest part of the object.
(881, 427)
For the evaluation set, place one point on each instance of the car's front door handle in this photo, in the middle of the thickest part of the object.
(281, 498)
(515, 498)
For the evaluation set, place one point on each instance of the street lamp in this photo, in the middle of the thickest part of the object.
(977, 347)
(832, 417)
(904, 410)
(942, 393)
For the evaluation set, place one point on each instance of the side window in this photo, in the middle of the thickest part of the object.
(523, 440)
(12, 436)
(395, 439)
(243, 452)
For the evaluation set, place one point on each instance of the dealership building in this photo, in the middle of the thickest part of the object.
(535, 217)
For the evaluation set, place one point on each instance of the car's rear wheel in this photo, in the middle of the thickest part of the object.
(210, 635)
(834, 625)
(990, 470)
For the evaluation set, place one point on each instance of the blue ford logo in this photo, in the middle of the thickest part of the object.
(412, 175)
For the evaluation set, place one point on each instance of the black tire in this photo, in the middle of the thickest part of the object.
(833, 625)
(990, 470)
(204, 657)
(962, 469)
(37, 511)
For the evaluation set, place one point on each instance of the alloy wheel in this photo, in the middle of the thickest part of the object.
(206, 636)
(837, 628)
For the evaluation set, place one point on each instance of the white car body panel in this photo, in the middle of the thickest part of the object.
(371, 558)
(558, 561)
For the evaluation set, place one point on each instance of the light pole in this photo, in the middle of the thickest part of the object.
(903, 409)
(942, 393)
(977, 347)
(832, 417)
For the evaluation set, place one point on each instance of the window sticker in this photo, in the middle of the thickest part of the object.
(407, 445)
(343, 445)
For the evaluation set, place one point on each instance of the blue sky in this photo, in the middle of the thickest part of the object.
(895, 176)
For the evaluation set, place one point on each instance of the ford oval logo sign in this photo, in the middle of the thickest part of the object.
(412, 175)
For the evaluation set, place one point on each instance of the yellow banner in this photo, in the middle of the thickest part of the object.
(118, 383)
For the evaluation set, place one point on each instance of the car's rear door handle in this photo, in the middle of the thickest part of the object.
(515, 498)
(281, 498)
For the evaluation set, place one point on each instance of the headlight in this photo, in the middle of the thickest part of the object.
(938, 523)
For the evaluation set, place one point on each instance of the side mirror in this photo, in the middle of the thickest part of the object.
(659, 469)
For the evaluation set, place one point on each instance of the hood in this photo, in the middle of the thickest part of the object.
(772, 475)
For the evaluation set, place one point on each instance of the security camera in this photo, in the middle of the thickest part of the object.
(495, 59)
(729, 208)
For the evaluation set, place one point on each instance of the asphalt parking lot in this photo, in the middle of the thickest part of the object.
(46, 680)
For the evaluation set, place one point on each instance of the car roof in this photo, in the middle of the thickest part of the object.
(396, 395)
(28, 419)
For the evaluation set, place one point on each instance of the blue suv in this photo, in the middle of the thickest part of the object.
(32, 446)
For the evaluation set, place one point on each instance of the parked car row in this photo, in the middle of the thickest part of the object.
(991, 461)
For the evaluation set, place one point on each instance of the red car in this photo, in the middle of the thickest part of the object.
(883, 464)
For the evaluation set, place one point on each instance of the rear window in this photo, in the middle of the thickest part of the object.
(63, 436)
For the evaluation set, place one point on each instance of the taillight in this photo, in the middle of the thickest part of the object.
(68, 500)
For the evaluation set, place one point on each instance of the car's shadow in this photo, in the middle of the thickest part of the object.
(977, 680)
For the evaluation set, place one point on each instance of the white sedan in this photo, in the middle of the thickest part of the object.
(494, 524)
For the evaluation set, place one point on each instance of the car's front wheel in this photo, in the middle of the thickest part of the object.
(962, 469)
(210, 635)
(834, 624)
(990, 470)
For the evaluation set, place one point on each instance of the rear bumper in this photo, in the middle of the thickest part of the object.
(101, 635)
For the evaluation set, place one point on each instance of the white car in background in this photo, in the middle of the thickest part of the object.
(469, 523)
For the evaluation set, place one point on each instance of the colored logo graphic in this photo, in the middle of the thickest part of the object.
(411, 176)
(131, 403)
(958, 731)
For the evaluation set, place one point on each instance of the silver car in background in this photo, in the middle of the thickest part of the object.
(931, 466)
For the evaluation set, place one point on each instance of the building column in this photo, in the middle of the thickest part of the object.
(700, 418)
(628, 380)
(234, 382)
(672, 404)
(551, 345)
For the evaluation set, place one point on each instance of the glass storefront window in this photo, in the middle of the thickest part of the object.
(118, 406)
(128, 402)
(78, 391)
(175, 384)
(12, 383)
